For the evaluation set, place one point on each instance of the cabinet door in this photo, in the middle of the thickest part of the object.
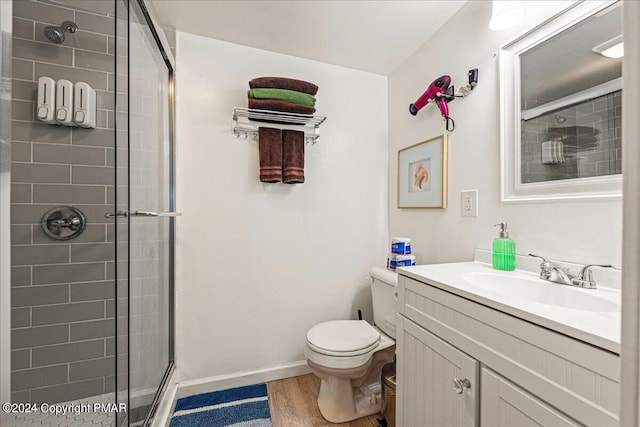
(427, 367)
(504, 404)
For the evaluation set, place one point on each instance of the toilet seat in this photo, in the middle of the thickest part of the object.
(343, 338)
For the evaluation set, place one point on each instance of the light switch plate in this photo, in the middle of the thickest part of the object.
(469, 205)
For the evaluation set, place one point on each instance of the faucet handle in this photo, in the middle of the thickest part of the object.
(545, 267)
(586, 274)
(544, 260)
(585, 277)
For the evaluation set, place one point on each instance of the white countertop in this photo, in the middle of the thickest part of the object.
(601, 329)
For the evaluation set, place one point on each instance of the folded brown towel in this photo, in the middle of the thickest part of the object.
(270, 148)
(284, 83)
(293, 156)
(277, 105)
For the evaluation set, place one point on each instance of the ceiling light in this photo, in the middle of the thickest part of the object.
(613, 48)
(616, 51)
(505, 14)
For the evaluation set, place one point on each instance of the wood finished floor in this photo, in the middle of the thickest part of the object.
(293, 403)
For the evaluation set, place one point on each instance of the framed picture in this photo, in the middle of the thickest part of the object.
(422, 174)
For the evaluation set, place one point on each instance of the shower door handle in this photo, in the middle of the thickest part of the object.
(147, 213)
(141, 213)
(119, 214)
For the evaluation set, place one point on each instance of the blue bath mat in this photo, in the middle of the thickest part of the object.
(238, 407)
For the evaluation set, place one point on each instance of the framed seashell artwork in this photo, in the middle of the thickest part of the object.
(422, 174)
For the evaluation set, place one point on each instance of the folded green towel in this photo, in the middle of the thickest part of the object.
(283, 95)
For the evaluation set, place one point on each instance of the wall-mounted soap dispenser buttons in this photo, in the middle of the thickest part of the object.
(46, 100)
(67, 104)
(64, 102)
(84, 105)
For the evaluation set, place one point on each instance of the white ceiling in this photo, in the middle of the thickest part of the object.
(374, 36)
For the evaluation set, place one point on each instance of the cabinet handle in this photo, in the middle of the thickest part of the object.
(459, 385)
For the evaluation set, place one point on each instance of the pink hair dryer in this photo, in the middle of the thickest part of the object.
(437, 91)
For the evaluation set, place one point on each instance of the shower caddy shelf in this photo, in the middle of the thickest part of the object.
(243, 126)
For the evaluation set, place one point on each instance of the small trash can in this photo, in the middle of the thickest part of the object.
(389, 394)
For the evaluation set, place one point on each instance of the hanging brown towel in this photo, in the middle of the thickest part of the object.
(293, 156)
(270, 148)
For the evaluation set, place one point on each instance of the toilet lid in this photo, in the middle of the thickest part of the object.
(343, 336)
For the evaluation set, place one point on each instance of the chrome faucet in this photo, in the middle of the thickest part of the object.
(554, 273)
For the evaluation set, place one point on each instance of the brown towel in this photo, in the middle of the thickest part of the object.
(293, 156)
(277, 105)
(284, 83)
(270, 148)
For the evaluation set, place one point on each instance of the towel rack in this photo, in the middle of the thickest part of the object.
(245, 127)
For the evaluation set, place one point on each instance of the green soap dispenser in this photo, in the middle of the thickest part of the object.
(504, 250)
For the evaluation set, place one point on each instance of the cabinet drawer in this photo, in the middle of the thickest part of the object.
(504, 404)
(581, 378)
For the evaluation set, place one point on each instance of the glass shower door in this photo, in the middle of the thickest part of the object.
(150, 217)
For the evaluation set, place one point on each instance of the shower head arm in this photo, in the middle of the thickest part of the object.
(69, 26)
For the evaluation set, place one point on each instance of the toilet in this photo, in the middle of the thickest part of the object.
(348, 355)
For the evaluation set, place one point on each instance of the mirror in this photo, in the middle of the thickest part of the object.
(561, 94)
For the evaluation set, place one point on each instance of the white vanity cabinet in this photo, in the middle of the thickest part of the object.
(519, 373)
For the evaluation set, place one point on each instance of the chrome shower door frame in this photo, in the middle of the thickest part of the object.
(124, 204)
(6, 15)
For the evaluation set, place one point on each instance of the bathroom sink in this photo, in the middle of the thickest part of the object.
(534, 290)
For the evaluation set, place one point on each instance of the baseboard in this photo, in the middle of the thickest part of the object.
(164, 411)
(239, 379)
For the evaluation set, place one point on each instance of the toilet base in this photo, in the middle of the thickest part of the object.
(342, 399)
(339, 402)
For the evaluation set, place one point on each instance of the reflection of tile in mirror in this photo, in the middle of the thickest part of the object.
(590, 135)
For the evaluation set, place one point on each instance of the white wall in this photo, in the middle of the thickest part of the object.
(573, 231)
(258, 264)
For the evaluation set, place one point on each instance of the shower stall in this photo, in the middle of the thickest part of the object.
(86, 216)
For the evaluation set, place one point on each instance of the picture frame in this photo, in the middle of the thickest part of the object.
(422, 175)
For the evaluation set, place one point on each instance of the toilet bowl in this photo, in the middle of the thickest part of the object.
(348, 355)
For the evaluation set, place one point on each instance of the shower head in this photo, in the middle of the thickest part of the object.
(56, 34)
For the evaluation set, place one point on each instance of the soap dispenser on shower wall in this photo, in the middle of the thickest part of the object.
(504, 250)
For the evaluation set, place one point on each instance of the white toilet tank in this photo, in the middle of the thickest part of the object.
(384, 284)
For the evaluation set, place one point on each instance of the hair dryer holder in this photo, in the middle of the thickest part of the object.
(440, 92)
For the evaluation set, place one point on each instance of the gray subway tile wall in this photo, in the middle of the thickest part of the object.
(20, 193)
(96, 79)
(81, 39)
(28, 296)
(68, 194)
(20, 276)
(22, 28)
(69, 352)
(63, 321)
(36, 11)
(20, 317)
(21, 234)
(21, 358)
(69, 155)
(71, 390)
(39, 336)
(38, 377)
